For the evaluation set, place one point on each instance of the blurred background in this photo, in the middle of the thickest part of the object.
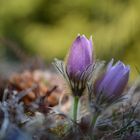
(47, 28)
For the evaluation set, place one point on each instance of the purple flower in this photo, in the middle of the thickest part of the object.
(112, 83)
(80, 57)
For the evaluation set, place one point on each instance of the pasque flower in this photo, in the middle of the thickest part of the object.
(80, 57)
(112, 83)
(79, 66)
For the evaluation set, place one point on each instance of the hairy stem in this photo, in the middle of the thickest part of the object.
(75, 108)
(94, 120)
(92, 128)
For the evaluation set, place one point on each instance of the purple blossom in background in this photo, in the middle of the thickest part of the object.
(113, 81)
(80, 56)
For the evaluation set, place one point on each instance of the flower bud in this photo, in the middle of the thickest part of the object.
(80, 57)
(113, 81)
